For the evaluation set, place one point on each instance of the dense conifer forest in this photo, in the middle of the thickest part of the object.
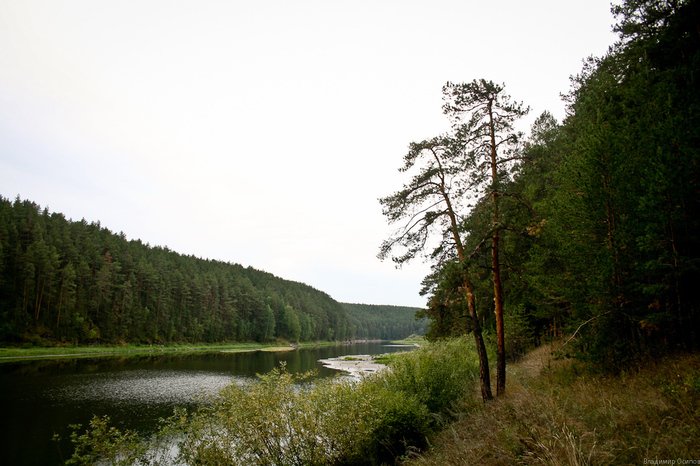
(378, 322)
(587, 228)
(78, 282)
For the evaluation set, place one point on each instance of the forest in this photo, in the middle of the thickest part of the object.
(587, 229)
(74, 282)
(381, 322)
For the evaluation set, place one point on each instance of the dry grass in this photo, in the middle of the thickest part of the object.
(555, 413)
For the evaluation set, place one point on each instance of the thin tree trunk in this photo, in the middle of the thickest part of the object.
(495, 263)
(24, 296)
(500, 337)
(484, 374)
(39, 299)
(48, 302)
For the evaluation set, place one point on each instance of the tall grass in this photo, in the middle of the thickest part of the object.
(559, 413)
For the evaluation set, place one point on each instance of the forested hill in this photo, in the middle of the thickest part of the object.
(588, 227)
(73, 281)
(385, 322)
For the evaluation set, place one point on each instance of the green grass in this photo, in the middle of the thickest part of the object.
(387, 358)
(13, 353)
(411, 340)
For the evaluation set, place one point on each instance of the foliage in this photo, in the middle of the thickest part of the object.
(428, 205)
(599, 220)
(280, 420)
(385, 322)
(77, 282)
(447, 308)
(108, 445)
(629, 177)
(438, 375)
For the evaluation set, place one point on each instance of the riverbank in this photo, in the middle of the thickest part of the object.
(560, 412)
(14, 353)
(51, 352)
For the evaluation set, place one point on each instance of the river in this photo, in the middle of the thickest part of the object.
(41, 398)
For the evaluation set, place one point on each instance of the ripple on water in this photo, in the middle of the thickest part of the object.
(143, 386)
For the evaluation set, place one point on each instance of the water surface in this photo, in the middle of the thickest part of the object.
(40, 398)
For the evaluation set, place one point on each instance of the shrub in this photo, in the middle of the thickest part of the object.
(438, 374)
(276, 422)
(107, 445)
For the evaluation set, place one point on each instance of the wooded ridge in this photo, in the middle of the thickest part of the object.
(78, 282)
(381, 322)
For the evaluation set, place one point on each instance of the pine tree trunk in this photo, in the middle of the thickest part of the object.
(484, 375)
(500, 337)
(39, 299)
(497, 290)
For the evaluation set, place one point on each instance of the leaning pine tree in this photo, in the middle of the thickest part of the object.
(430, 206)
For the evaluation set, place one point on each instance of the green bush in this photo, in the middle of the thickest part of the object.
(107, 445)
(438, 374)
(276, 422)
(404, 424)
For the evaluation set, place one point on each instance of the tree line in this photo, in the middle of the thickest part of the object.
(588, 228)
(383, 322)
(78, 282)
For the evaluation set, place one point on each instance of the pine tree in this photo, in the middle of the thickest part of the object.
(483, 117)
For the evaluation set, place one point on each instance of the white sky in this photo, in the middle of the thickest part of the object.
(261, 132)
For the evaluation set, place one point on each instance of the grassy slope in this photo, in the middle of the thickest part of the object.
(555, 413)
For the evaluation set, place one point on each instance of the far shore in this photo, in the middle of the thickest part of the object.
(51, 352)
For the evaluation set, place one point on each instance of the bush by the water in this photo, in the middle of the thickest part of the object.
(438, 374)
(278, 421)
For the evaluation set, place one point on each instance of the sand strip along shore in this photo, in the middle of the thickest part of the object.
(356, 365)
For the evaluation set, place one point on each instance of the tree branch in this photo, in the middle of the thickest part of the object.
(579, 327)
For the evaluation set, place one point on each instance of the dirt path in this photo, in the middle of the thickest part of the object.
(534, 362)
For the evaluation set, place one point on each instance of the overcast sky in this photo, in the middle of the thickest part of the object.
(261, 132)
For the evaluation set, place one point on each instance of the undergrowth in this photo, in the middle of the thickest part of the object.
(559, 413)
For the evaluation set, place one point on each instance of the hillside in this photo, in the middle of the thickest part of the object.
(558, 411)
(77, 282)
(385, 322)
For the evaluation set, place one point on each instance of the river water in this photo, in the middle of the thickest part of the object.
(41, 398)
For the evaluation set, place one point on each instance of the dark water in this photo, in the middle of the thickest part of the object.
(40, 398)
